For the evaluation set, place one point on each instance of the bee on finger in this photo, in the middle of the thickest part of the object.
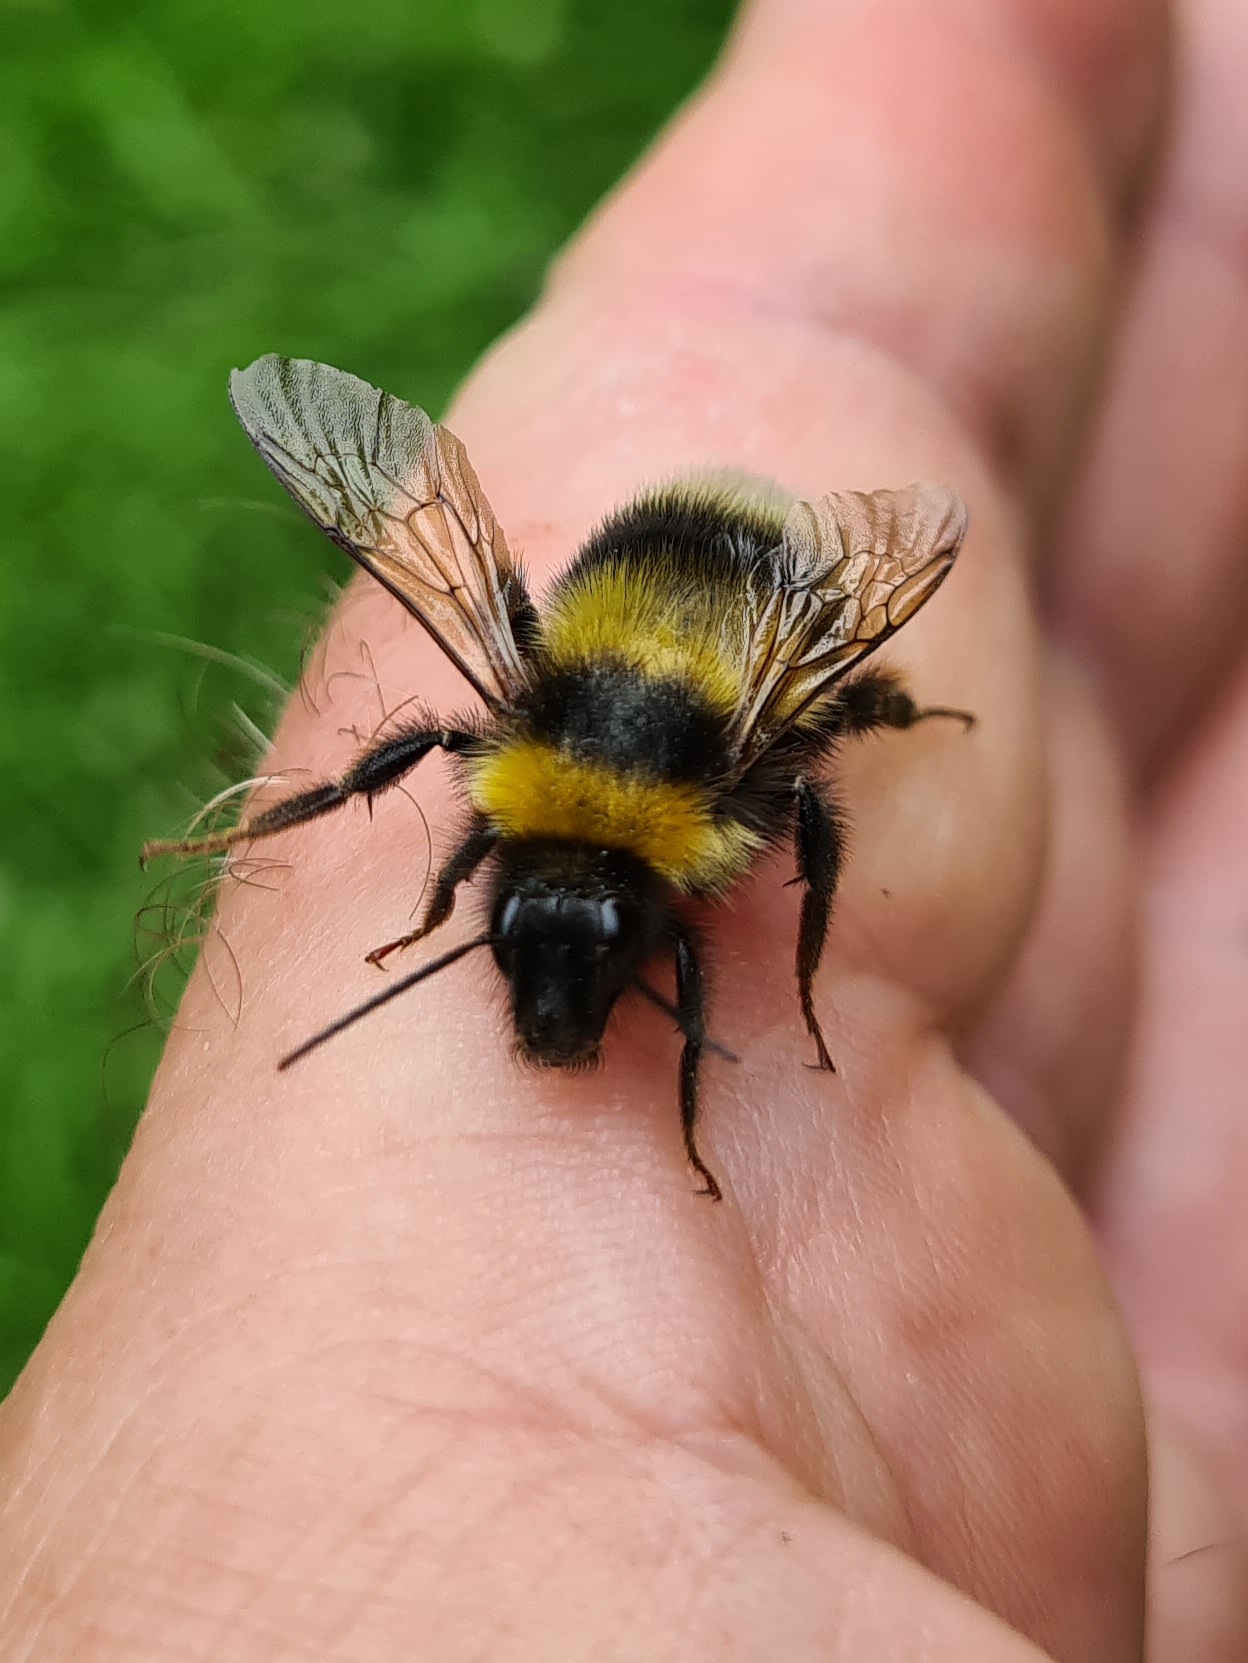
(663, 719)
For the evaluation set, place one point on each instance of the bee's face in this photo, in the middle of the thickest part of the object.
(567, 956)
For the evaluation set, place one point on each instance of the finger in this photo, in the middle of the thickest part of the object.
(1051, 1046)
(937, 195)
(1170, 1195)
(1171, 1198)
(1198, 1554)
(1152, 583)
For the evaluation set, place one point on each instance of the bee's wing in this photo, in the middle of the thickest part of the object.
(399, 495)
(850, 570)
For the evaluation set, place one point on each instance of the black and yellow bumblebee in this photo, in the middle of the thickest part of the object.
(660, 722)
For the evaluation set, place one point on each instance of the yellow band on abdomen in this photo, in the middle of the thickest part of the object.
(533, 790)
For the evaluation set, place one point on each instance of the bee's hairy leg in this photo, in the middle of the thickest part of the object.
(878, 700)
(819, 848)
(459, 867)
(691, 1002)
(381, 766)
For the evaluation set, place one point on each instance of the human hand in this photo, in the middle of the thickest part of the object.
(406, 1352)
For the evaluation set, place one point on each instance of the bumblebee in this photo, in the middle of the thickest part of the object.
(658, 724)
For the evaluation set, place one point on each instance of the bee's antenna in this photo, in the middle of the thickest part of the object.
(669, 1009)
(383, 998)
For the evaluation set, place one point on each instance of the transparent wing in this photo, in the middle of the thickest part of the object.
(852, 568)
(398, 494)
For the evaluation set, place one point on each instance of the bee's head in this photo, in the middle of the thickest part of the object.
(570, 930)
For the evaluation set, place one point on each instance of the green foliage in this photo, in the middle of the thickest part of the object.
(183, 186)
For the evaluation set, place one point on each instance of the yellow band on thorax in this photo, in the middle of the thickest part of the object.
(651, 619)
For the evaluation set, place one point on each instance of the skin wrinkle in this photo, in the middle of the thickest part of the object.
(403, 1551)
(298, 1363)
(37, 1549)
(699, 1565)
(472, 1539)
(386, 1507)
(541, 1410)
(645, 1590)
(228, 1619)
(232, 1621)
(282, 1568)
(732, 1429)
(714, 1558)
(695, 1590)
(887, 1513)
(103, 1526)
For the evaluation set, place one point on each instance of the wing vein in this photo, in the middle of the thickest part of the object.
(398, 494)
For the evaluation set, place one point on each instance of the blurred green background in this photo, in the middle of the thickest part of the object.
(183, 186)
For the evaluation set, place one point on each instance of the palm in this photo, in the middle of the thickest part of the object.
(458, 1346)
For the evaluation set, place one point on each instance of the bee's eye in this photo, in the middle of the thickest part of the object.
(507, 917)
(609, 914)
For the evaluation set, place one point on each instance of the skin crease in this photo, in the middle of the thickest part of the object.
(408, 1351)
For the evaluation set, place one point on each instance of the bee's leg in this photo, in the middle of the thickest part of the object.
(462, 863)
(819, 850)
(878, 700)
(691, 1002)
(383, 765)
